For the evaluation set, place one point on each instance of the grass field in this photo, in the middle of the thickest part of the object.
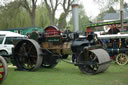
(67, 74)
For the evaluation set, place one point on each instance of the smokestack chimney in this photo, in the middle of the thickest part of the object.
(75, 15)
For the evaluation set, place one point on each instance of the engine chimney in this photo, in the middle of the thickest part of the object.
(75, 15)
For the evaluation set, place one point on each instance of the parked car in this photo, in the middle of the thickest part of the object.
(6, 41)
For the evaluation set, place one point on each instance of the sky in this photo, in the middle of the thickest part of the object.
(92, 9)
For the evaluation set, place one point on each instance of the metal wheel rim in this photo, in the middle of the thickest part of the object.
(97, 62)
(3, 69)
(121, 59)
(90, 69)
(27, 54)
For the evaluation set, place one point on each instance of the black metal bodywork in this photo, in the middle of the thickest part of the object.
(45, 51)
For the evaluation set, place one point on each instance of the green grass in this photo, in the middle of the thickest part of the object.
(68, 74)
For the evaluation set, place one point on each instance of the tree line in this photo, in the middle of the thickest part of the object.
(28, 13)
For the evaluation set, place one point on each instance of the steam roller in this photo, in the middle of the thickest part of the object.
(47, 48)
(46, 51)
(97, 61)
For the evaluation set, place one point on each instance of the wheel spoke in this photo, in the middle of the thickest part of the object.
(121, 59)
(33, 56)
(23, 48)
(29, 50)
(95, 61)
(26, 55)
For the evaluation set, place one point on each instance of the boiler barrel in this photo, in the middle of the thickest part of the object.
(112, 51)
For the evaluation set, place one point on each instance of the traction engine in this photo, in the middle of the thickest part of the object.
(47, 48)
(3, 69)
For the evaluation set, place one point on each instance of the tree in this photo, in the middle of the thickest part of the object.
(126, 7)
(24, 13)
(8, 13)
(83, 18)
(51, 7)
(111, 10)
(42, 18)
(66, 4)
(102, 14)
(105, 4)
(31, 9)
(13, 15)
(62, 21)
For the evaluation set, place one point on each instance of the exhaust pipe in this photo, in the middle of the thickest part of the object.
(75, 15)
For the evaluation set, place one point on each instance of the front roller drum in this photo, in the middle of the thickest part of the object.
(3, 69)
(27, 55)
(97, 61)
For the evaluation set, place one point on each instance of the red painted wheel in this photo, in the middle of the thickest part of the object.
(3, 69)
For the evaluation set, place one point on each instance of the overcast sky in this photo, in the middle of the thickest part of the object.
(92, 9)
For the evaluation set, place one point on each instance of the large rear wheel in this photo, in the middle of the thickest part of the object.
(27, 54)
